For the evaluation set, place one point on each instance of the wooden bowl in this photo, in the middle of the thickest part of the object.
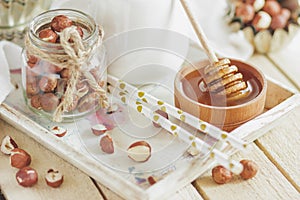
(223, 116)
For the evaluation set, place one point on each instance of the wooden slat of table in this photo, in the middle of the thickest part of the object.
(288, 60)
(282, 146)
(269, 183)
(268, 68)
(189, 192)
(77, 185)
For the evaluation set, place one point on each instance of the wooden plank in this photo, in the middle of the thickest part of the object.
(187, 193)
(268, 68)
(282, 147)
(269, 183)
(288, 60)
(77, 185)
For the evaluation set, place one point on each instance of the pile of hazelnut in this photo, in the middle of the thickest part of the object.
(26, 176)
(46, 83)
(221, 175)
(264, 18)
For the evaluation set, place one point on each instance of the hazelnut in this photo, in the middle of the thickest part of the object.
(60, 22)
(54, 178)
(245, 12)
(106, 144)
(262, 20)
(139, 151)
(151, 180)
(88, 102)
(285, 13)
(291, 5)
(163, 114)
(58, 131)
(48, 35)
(257, 4)
(49, 102)
(278, 22)
(61, 86)
(112, 108)
(27, 177)
(250, 169)
(19, 158)
(34, 71)
(31, 86)
(51, 69)
(272, 8)
(31, 60)
(65, 73)
(48, 83)
(98, 129)
(7, 145)
(35, 101)
(221, 175)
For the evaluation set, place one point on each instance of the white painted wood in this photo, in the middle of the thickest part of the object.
(77, 185)
(268, 68)
(78, 159)
(269, 183)
(282, 146)
(186, 193)
(288, 60)
(178, 179)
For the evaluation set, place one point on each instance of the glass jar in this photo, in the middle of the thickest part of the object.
(16, 14)
(60, 83)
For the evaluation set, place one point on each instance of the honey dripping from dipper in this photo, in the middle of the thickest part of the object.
(221, 84)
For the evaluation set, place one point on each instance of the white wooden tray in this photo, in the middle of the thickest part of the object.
(128, 179)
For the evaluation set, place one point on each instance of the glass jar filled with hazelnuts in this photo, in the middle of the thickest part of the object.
(64, 71)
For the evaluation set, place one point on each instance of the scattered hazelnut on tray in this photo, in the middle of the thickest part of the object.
(54, 178)
(98, 129)
(112, 108)
(58, 131)
(106, 144)
(19, 158)
(151, 180)
(27, 177)
(221, 175)
(7, 145)
(139, 151)
(48, 35)
(60, 22)
(250, 169)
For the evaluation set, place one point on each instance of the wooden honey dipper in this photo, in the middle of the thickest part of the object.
(220, 77)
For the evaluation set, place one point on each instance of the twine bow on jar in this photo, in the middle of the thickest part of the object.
(76, 58)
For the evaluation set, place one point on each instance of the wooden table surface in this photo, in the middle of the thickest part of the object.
(277, 153)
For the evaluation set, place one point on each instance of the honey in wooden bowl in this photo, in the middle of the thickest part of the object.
(216, 109)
